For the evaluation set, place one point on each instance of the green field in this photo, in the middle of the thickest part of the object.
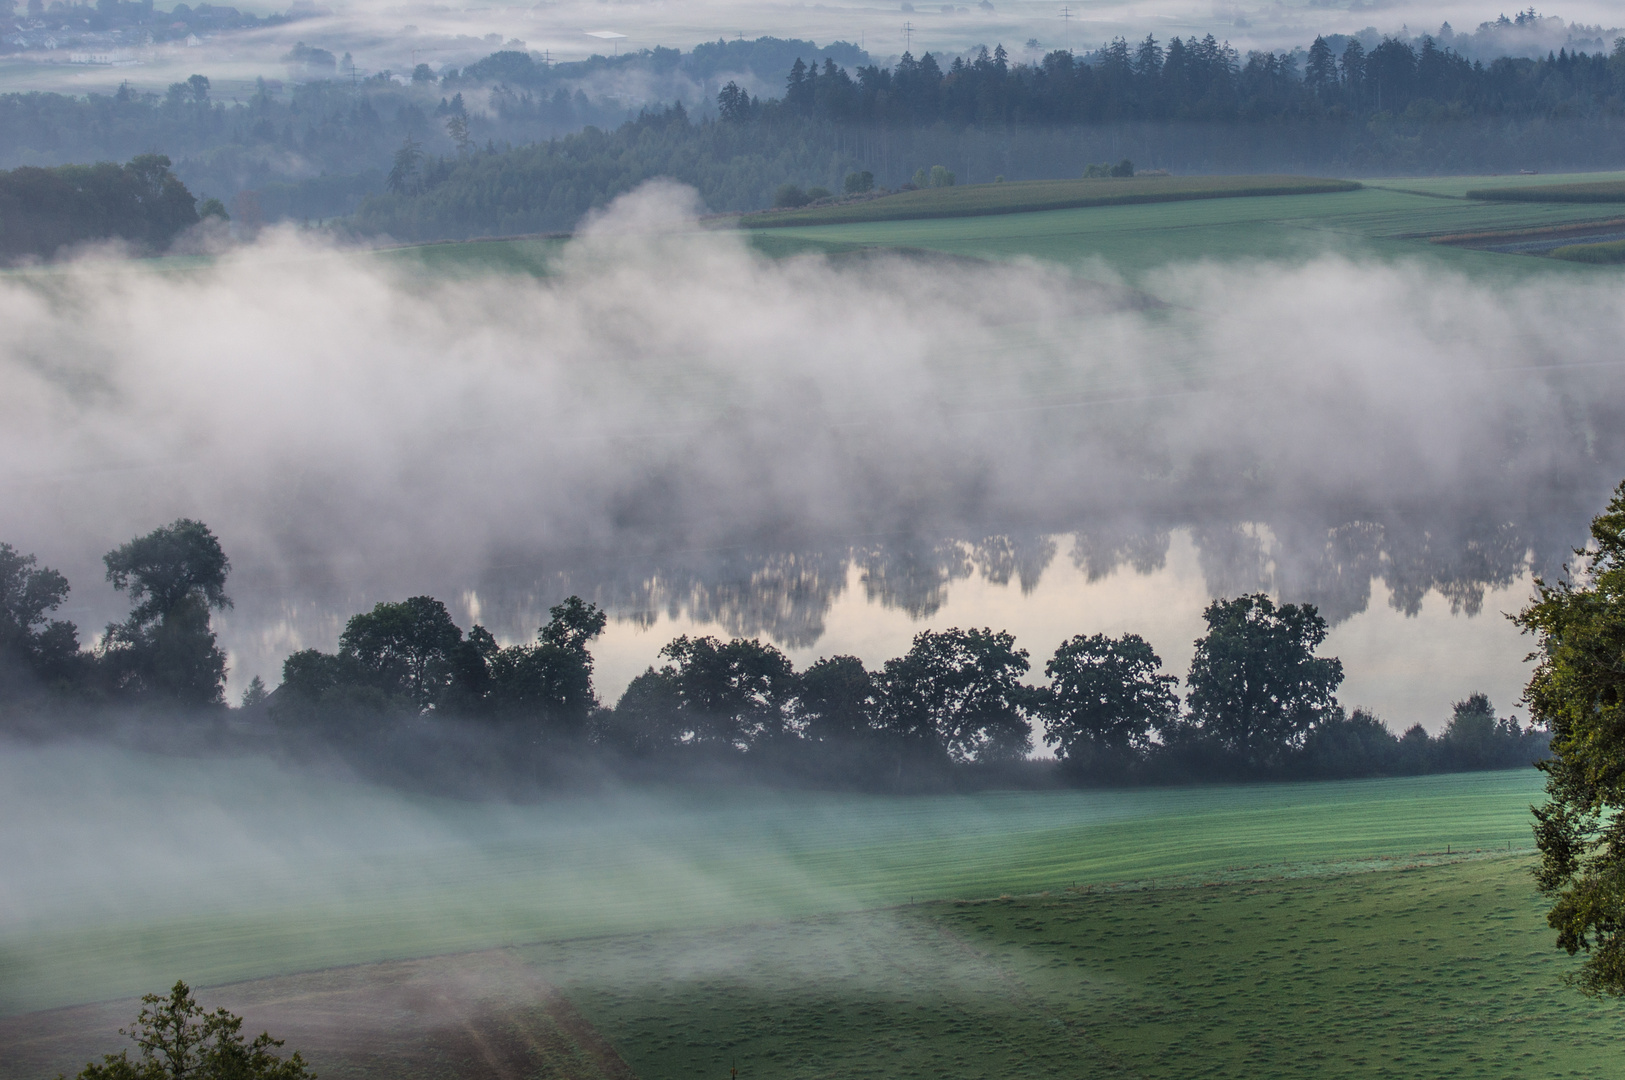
(1376, 221)
(1385, 219)
(1027, 196)
(1363, 928)
(319, 873)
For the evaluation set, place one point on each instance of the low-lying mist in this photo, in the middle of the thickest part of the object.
(126, 870)
(358, 428)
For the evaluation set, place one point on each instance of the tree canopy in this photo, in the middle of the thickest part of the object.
(1106, 697)
(957, 702)
(42, 210)
(165, 648)
(32, 646)
(1578, 690)
(959, 693)
(1255, 684)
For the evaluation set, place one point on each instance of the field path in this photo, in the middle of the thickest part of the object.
(467, 1016)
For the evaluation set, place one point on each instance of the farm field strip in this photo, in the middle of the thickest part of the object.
(1457, 187)
(1586, 191)
(1028, 196)
(1131, 241)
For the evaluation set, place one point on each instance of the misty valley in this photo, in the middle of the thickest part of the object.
(927, 541)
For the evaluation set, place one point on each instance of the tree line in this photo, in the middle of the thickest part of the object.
(1259, 700)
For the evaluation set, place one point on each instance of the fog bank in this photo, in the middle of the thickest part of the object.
(355, 429)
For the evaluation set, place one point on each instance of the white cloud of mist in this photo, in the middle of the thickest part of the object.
(356, 429)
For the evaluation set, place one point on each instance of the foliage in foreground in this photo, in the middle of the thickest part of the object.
(177, 1040)
(1578, 689)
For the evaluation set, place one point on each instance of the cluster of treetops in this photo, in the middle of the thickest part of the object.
(1258, 700)
(142, 203)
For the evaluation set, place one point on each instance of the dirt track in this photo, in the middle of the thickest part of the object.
(470, 1016)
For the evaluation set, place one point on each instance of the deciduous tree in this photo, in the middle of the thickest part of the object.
(1578, 691)
(551, 680)
(166, 648)
(959, 693)
(1106, 696)
(32, 646)
(405, 649)
(837, 700)
(1255, 683)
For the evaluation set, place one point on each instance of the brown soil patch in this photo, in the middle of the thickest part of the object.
(470, 1016)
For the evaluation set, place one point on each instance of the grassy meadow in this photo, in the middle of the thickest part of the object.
(314, 874)
(1425, 971)
(1360, 928)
